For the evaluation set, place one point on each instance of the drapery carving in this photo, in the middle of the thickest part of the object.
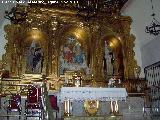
(56, 25)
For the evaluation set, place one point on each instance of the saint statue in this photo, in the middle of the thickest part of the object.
(108, 61)
(35, 58)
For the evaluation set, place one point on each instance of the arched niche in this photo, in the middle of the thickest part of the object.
(73, 49)
(113, 62)
(108, 40)
(34, 52)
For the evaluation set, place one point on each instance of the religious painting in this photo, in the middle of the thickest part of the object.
(72, 57)
(34, 58)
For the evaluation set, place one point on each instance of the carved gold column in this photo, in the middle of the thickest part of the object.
(128, 45)
(11, 58)
(97, 53)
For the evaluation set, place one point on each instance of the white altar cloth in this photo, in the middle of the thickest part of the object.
(90, 93)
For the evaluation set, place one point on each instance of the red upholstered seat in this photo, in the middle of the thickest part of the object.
(34, 102)
(34, 98)
(14, 104)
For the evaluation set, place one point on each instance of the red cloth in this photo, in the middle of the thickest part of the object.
(53, 102)
(14, 102)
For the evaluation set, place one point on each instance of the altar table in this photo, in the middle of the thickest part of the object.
(80, 94)
(91, 93)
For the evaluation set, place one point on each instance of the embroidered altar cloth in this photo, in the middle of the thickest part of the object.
(90, 93)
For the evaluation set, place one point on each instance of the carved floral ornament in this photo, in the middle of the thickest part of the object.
(54, 25)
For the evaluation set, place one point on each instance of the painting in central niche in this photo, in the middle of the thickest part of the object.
(72, 57)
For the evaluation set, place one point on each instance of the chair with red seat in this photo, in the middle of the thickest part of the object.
(14, 105)
(33, 104)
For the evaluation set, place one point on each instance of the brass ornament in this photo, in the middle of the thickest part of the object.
(91, 107)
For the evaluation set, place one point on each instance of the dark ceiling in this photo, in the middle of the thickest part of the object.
(102, 5)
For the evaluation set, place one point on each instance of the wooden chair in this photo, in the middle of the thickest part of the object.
(33, 104)
(13, 105)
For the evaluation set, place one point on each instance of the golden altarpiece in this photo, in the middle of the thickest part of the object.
(50, 28)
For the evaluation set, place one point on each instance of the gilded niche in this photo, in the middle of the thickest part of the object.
(34, 51)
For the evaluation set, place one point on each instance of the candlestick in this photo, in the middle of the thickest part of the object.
(96, 5)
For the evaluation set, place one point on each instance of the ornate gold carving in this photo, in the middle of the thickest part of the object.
(1, 67)
(56, 25)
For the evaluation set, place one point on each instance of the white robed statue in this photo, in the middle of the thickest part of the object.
(107, 59)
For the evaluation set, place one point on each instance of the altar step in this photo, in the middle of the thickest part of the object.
(140, 114)
(94, 118)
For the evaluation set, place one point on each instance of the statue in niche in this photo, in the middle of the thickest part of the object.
(35, 58)
(108, 61)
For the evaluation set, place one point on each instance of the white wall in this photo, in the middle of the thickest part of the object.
(140, 11)
(151, 52)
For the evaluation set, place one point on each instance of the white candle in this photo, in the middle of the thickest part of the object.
(116, 106)
(65, 106)
(68, 106)
(111, 106)
(88, 3)
(96, 5)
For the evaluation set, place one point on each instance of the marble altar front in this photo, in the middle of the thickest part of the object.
(73, 98)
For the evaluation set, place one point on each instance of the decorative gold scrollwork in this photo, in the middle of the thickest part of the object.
(91, 107)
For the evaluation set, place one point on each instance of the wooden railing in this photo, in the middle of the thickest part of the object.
(135, 87)
(152, 75)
